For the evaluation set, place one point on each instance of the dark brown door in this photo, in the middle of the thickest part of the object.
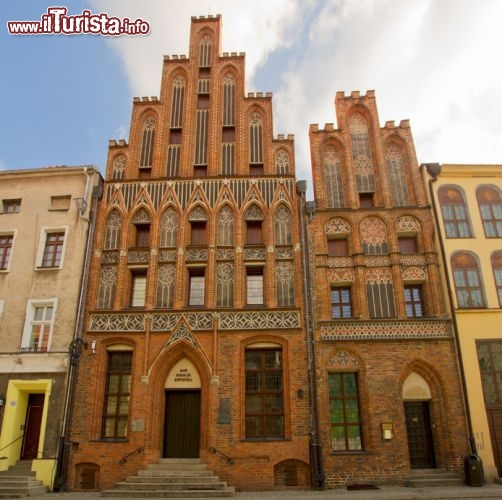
(182, 424)
(32, 426)
(418, 426)
(495, 424)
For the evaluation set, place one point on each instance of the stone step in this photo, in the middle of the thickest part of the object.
(173, 473)
(34, 490)
(196, 466)
(171, 479)
(178, 485)
(228, 492)
(432, 477)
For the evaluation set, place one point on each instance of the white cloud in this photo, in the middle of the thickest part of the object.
(435, 63)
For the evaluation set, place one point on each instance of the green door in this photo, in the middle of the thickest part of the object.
(182, 424)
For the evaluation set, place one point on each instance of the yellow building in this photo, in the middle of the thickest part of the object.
(468, 205)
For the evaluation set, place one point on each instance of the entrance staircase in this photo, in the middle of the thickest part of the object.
(423, 478)
(172, 477)
(20, 481)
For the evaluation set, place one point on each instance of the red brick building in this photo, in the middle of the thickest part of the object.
(195, 308)
(389, 394)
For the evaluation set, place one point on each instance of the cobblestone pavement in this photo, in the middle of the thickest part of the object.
(382, 493)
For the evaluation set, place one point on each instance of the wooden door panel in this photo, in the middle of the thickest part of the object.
(32, 425)
(418, 426)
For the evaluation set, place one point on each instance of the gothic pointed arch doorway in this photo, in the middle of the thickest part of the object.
(182, 411)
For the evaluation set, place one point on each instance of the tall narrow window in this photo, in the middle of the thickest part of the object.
(397, 176)
(205, 52)
(281, 162)
(264, 407)
(112, 231)
(254, 286)
(147, 143)
(168, 228)
(341, 304)
(490, 207)
(225, 236)
(454, 211)
(178, 97)
(333, 178)
(255, 145)
(380, 293)
(345, 418)
(118, 386)
(413, 301)
(228, 101)
(490, 366)
(361, 154)
(467, 279)
(138, 288)
(283, 226)
(496, 259)
(107, 287)
(201, 134)
(225, 284)
(284, 283)
(53, 250)
(196, 287)
(6, 241)
(165, 286)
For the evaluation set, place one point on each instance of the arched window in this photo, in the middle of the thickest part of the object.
(168, 228)
(490, 208)
(112, 231)
(228, 101)
(467, 279)
(165, 285)
(225, 236)
(147, 143)
(282, 225)
(255, 145)
(397, 176)
(205, 52)
(177, 102)
(361, 154)
(107, 286)
(281, 162)
(455, 213)
(118, 168)
(333, 178)
(374, 236)
(497, 273)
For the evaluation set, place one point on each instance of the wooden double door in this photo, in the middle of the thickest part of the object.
(420, 440)
(182, 424)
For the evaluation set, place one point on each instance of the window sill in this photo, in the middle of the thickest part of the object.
(47, 268)
(264, 439)
(110, 440)
(349, 453)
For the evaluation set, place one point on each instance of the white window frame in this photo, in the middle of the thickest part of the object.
(44, 232)
(13, 233)
(30, 313)
(1, 307)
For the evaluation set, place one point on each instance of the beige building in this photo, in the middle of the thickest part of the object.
(468, 205)
(45, 220)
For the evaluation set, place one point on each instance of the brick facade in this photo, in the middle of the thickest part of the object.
(213, 194)
(372, 239)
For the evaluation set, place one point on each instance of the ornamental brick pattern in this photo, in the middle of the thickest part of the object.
(376, 202)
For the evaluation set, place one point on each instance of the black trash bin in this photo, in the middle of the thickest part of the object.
(473, 468)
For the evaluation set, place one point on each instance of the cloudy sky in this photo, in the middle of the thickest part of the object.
(435, 62)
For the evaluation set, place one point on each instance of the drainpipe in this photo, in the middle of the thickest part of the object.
(434, 169)
(316, 465)
(76, 344)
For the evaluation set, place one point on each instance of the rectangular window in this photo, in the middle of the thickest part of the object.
(413, 301)
(255, 169)
(338, 247)
(340, 303)
(407, 244)
(345, 416)
(138, 289)
(38, 326)
(365, 200)
(118, 383)
(254, 286)
(497, 273)
(6, 241)
(264, 394)
(142, 235)
(53, 249)
(11, 206)
(198, 233)
(456, 220)
(196, 287)
(490, 366)
(254, 233)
